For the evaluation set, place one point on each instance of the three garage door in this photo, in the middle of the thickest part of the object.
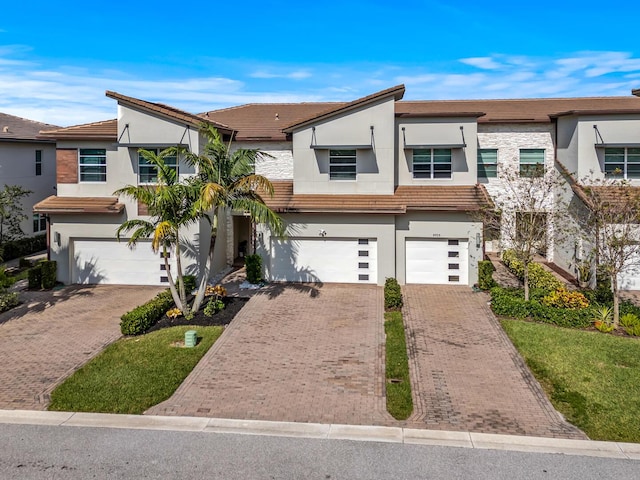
(110, 262)
(333, 260)
(437, 261)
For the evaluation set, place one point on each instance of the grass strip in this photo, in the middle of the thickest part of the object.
(133, 374)
(591, 378)
(399, 402)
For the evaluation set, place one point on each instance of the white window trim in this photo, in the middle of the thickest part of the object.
(625, 164)
(39, 218)
(543, 163)
(98, 182)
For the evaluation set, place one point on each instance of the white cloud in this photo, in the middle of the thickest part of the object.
(485, 63)
(295, 75)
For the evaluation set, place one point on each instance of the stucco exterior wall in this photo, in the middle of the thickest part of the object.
(17, 167)
(375, 166)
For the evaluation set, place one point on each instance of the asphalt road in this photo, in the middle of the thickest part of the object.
(58, 452)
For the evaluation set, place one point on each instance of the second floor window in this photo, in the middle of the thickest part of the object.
(38, 162)
(622, 162)
(531, 162)
(487, 163)
(147, 172)
(432, 163)
(93, 165)
(342, 164)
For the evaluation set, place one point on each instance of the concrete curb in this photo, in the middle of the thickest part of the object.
(327, 431)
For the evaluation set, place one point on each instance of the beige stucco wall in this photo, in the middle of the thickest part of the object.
(17, 167)
(375, 167)
(438, 131)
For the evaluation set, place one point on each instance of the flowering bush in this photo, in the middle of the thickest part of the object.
(218, 291)
(562, 298)
(174, 313)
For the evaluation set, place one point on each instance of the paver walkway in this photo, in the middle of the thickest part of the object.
(52, 334)
(465, 373)
(294, 353)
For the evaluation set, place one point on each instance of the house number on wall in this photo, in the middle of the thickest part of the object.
(436, 234)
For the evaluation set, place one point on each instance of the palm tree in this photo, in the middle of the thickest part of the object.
(227, 181)
(172, 206)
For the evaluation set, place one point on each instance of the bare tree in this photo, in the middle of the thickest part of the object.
(11, 212)
(526, 213)
(610, 223)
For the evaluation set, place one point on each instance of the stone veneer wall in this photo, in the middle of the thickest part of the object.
(509, 139)
(277, 164)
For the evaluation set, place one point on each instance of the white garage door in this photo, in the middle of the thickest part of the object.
(629, 278)
(338, 260)
(110, 262)
(438, 261)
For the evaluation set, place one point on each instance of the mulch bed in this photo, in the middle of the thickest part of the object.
(232, 306)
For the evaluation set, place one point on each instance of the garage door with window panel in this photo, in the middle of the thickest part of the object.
(437, 261)
(331, 260)
(114, 263)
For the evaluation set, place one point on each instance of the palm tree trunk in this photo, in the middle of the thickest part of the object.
(205, 277)
(172, 285)
(183, 295)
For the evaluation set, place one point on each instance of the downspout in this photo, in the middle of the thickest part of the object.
(48, 237)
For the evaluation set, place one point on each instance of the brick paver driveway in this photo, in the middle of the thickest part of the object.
(296, 353)
(52, 334)
(466, 374)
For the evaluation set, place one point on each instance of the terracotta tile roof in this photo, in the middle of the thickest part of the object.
(74, 205)
(520, 110)
(104, 130)
(264, 121)
(397, 92)
(636, 92)
(17, 128)
(405, 198)
(167, 111)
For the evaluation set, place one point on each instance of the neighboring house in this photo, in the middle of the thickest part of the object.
(30, 162)
(370, 189)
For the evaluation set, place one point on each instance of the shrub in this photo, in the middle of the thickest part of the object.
(485, 275)
(392, 294)
(189, 283)
(254, 268)
(629, 320)
(141, 318)
(22, 247)
(49, 270)
(538, 276)
(25, 263)
(5, 280)
(213, 306)
(562, 298)
(510, 302)
(35, 277)
(8, 301)
(633, 330)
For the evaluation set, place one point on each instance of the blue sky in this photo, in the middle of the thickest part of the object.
(58, 58)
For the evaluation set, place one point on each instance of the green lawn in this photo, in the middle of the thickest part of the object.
(399, 402)
(133, 373)
(591, 378)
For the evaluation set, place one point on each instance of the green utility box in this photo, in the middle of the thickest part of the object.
(190, 338)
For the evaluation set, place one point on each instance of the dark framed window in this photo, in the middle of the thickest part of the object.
(342, 165)
(623, 162)
(431, 163)
(487, 163)
(147, 172)
(38, 162)
(531, 162)
(93, 165)
(39, 223)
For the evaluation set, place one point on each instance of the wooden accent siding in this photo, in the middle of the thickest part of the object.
(143, 208)
(67, 165)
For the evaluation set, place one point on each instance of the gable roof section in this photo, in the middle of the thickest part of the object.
(103, 130)
(18, 128)
(166, 111)
(397, 92)
(405, 198)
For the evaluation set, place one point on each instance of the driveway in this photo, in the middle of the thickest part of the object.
(294, 353)
(53, 333)
(465, 373)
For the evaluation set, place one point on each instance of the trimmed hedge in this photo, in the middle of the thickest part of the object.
(485, 275)
(538, 276)
(510, 302)
(35, 277)
(392, 294)
(22, 247)
(142, 318)
(8, 301)
(254, 268)
(43, 275)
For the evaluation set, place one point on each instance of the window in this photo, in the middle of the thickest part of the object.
(432, 163)
(38, 162)
(622, 162)
(39, 223)
(93, 165)
(342, 164)
(147, 172)
(487, 163)
(531, 162)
